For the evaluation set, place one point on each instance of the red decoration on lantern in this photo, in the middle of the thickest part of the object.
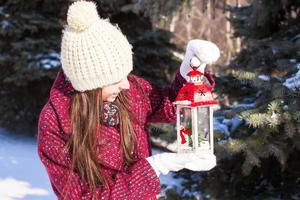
(183, 132)
(196, 92)
(194, 103)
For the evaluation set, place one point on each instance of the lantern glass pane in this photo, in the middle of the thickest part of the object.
(203, 134)
(185, 128)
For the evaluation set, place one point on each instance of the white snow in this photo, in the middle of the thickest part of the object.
(12, 188)
(48, 63)
(168, 179)
(294, 81)
(22, 175)
(165, 144)
(177, 183)
(50, 60)
(236, 121)
(227, 126)
(264, 77)
(274, 51)
(219, 126)
(243, 105)
(4, 24)
(274, 115)
(47, 60)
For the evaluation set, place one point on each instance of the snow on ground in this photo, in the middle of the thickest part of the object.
(227, 126)
(219, 126)
(169, 181)
(4, 24)
(163, 143)
(264, 77)
(294, 81)
(243, 106)
(22, 175)
(51, 60)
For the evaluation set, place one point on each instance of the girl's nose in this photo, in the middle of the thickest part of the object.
(124, 84)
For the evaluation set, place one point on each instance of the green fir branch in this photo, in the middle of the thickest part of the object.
(278, 153)
(234, 146)
(289, 129)
(251, 160)
(274, 106)
(244, 75)
(258, 120)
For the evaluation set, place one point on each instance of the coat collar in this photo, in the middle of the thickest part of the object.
(60, 97)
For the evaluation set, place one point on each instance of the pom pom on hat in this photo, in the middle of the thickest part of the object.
(81, 15)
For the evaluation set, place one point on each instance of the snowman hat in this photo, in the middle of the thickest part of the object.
(207, 52)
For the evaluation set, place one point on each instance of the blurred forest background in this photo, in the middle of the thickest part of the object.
(257, 126)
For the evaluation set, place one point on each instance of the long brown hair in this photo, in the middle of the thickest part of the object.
(86, 111)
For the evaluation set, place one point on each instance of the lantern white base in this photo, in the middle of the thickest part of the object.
(185, 151)
(181, 150)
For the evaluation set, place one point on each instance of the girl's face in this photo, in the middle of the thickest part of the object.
(110, 92)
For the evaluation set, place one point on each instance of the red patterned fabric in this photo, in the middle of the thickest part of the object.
(136, 182)
(110, 114)
(182, 131)
(210, 79)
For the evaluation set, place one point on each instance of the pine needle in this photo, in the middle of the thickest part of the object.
(289, 129)
(257, 120)
(243, 75)
(274, 106)
(251, 160)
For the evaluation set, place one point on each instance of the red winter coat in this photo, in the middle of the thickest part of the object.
(136, 182)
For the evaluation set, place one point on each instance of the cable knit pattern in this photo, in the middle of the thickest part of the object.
(94, 53)
(134, 183)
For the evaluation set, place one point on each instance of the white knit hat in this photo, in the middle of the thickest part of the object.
(94, 53)
(206, 51)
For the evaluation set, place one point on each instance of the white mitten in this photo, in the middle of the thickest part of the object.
(201, 162)
(164, 162)
(206, 51)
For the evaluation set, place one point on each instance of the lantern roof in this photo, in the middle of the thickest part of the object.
(195, 95)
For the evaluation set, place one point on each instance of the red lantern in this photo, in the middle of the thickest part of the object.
(194, 104)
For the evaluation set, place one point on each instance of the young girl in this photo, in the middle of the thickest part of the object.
(92, 132)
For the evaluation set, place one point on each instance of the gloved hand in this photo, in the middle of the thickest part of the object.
(206, 52)
(201, 162)
(162, 163)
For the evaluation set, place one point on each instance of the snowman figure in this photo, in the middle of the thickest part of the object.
(197, 99)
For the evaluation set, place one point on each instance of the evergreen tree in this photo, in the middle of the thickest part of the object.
(264, 148)
(30, 35)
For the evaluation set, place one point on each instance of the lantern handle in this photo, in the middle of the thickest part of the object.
(210, 79)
